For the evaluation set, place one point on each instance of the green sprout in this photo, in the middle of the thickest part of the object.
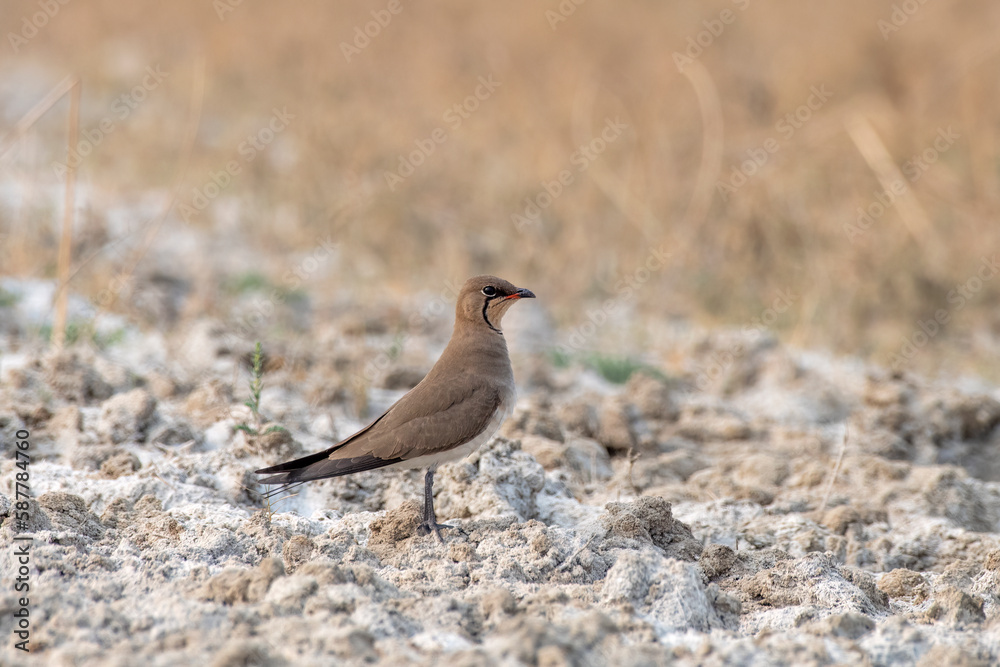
(256, 386)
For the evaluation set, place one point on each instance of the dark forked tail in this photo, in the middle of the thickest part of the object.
(316, 466)
(292, 471)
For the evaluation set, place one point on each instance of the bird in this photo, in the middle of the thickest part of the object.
(457, 407)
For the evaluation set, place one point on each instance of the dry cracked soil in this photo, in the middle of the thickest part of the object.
(768, 507)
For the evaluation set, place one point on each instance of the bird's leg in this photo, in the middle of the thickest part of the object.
(430, 524)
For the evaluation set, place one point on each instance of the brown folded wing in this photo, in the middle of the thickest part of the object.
(428, 420)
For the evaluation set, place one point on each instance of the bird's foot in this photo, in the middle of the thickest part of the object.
(428, 527)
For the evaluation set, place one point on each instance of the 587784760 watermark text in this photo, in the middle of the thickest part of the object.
(21, 544)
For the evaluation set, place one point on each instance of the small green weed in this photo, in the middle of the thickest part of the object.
(8, 299)
(256, 386)
(251, 281)
(613, 368)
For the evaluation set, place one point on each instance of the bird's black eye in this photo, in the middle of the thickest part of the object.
(490, 290)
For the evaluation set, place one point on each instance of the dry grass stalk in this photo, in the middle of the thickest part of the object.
(836, 471)
(66, 239)
(711, 143)
(880, 161)
(37, 111)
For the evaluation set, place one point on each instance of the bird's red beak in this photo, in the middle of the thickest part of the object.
(521, 294)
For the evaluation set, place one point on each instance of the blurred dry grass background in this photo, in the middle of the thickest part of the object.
(782, 230)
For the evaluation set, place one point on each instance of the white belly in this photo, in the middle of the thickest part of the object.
(460, 452)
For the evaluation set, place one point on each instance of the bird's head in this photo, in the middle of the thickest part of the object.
(484, 300)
